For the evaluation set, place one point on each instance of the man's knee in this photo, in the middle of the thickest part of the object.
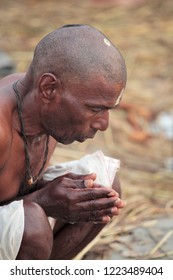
(37, 237)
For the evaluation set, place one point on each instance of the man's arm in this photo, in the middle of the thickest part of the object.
(5, 144)
(5, 148)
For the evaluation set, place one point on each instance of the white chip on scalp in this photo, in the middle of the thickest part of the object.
(119, 97)
(106, 41)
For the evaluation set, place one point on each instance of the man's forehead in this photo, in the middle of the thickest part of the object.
(98, 93)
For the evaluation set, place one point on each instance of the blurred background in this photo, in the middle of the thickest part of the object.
(141, 129)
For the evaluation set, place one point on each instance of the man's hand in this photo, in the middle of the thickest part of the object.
(77, 198)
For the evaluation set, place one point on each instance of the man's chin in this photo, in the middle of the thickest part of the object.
(77, 139)
(70, 141)
(83, 139)
(65, 141)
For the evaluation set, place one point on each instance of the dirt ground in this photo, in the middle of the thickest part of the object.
(141, 130)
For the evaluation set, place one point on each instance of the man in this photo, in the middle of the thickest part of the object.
(75, 78)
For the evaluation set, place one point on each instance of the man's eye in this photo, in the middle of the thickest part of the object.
(96, 110)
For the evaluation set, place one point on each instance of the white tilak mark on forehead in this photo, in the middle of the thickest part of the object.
(106, 41)
(119, 97)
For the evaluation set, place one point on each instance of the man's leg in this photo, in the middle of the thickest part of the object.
(37, 238)
(70, 239)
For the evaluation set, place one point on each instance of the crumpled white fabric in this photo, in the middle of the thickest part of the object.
(105, 168)
(11, 229)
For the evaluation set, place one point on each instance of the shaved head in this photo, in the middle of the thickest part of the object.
(74, 53)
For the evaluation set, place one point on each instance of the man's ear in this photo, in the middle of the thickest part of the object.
(48, 86)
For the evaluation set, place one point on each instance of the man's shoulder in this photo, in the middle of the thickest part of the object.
(5, 81)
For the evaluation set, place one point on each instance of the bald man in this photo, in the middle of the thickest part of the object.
(76, 76)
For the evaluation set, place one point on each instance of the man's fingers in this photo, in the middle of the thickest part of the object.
(87, 194)
(99, 215)
(99, 204)
(120, 203)
(74, 176)
(88, 183)
(81, 184)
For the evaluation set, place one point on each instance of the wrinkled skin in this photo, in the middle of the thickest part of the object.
(73, 202)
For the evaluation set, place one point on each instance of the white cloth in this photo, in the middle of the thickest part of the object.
(11, 229)
(105, 168)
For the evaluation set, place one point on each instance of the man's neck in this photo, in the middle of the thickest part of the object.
(29, 106)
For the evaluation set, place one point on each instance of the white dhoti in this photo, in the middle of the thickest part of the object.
(12, 215)
(11, 229)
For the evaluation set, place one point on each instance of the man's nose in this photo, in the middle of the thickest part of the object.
(101, 122)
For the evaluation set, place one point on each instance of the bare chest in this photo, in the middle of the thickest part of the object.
(15, 174)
